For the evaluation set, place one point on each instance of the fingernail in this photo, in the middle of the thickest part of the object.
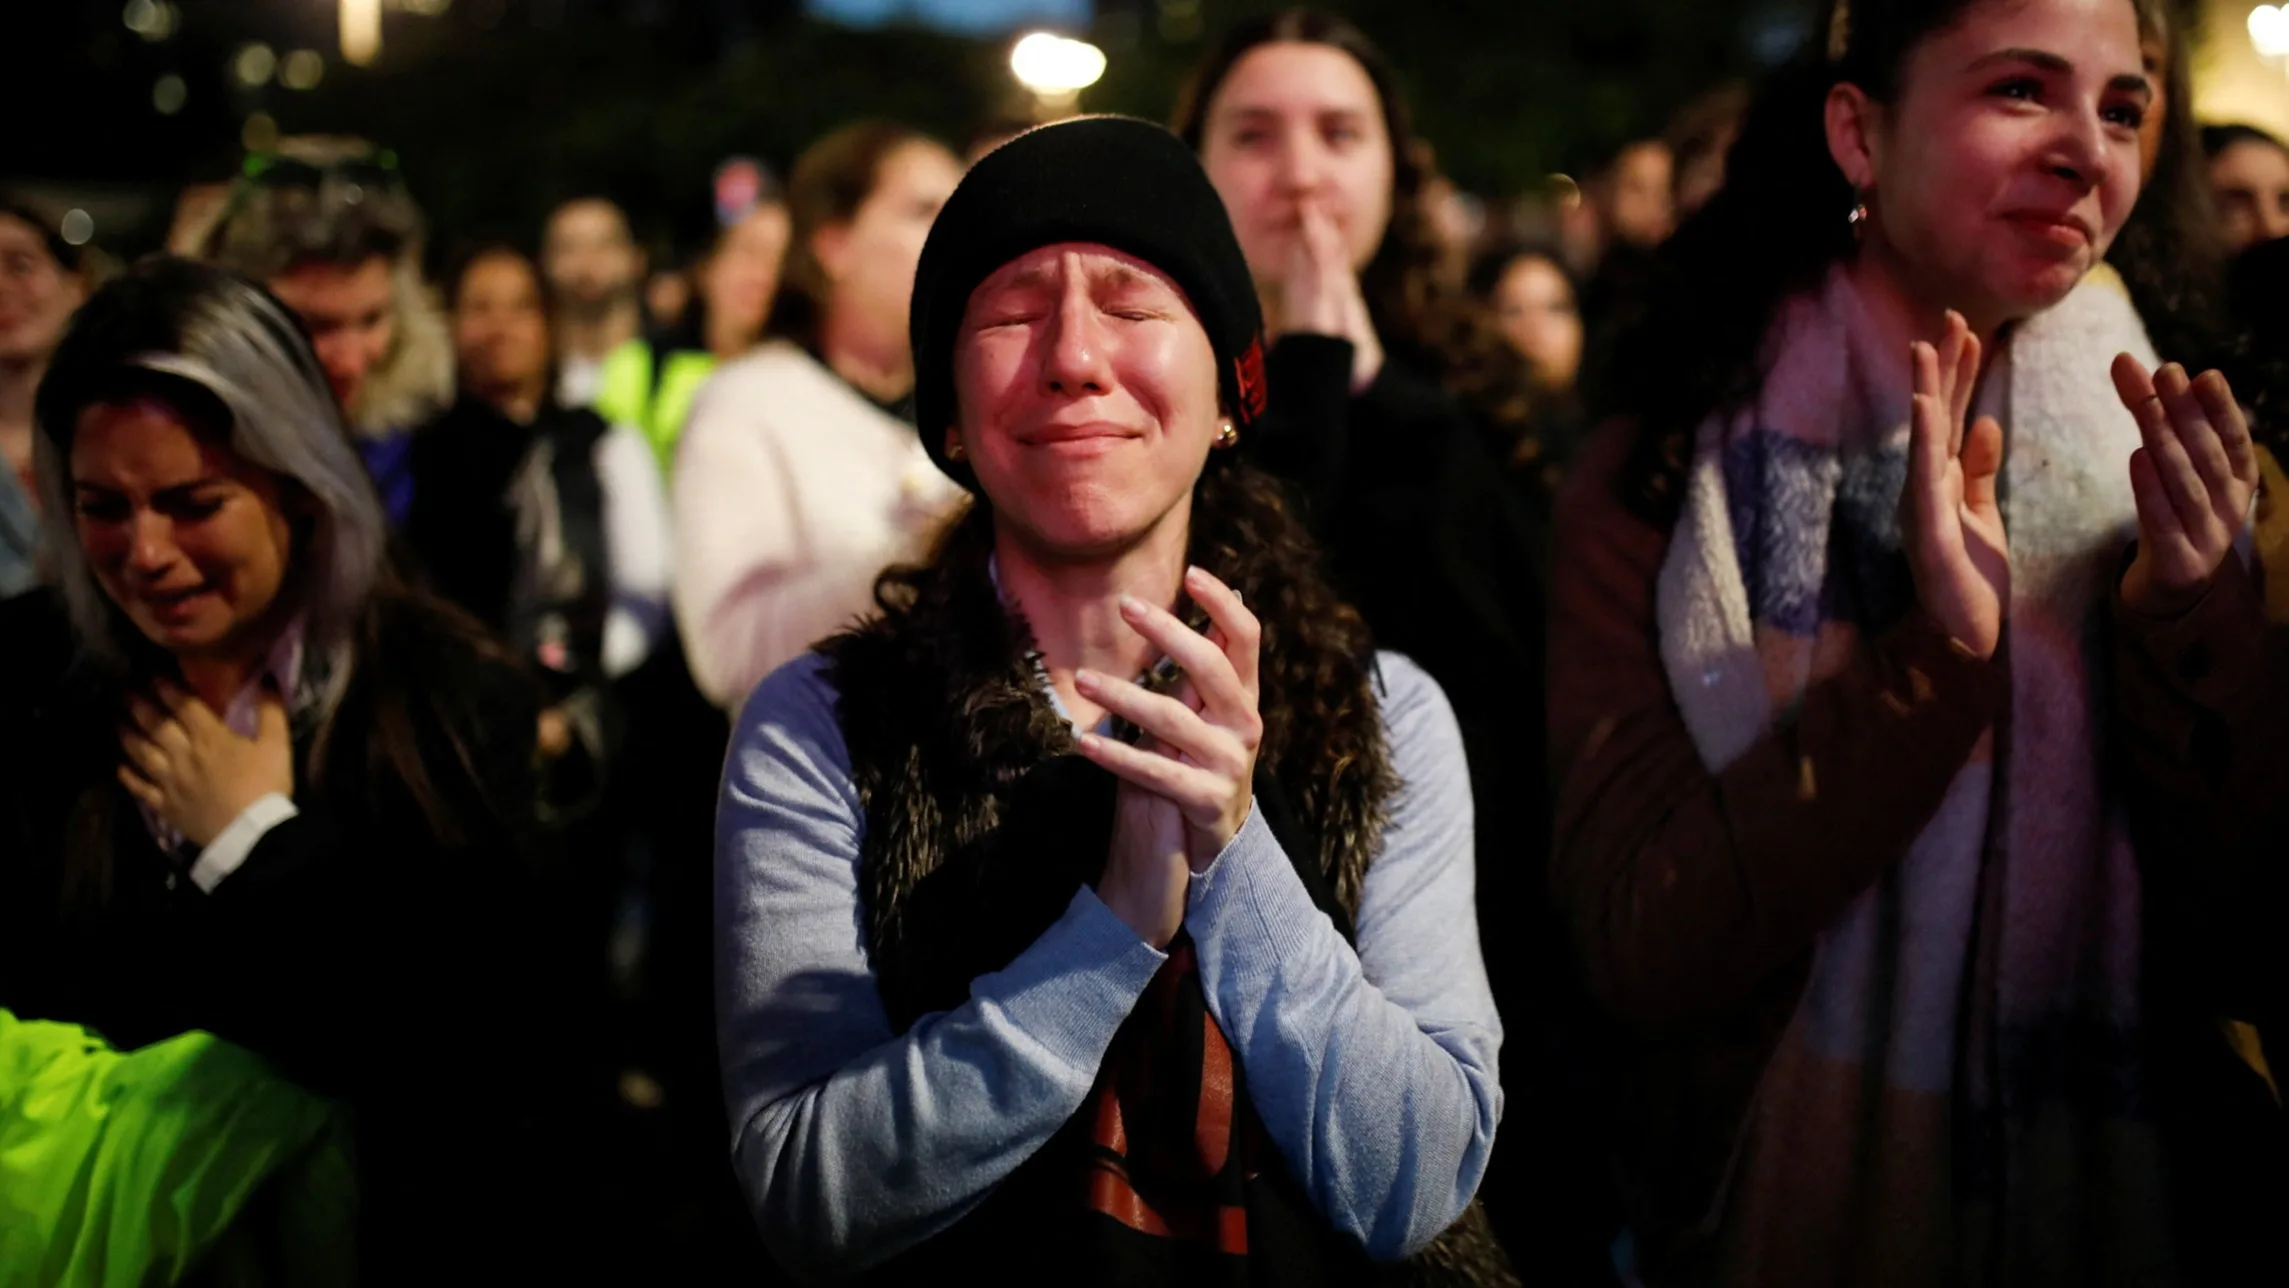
(1131, 605)
(1085, 679)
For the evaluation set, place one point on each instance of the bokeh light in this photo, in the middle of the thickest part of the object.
(254, 64)
(1055, 65)
(302, 69)
(168, 94)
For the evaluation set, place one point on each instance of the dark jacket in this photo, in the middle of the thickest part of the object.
(2201, 701)
(462, 532)
(396, 962)
(1426, 533)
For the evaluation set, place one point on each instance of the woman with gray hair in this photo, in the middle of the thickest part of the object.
(251, 785)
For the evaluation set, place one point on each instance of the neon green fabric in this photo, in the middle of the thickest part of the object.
(628, 395)
(624, 392)
(129, 1168)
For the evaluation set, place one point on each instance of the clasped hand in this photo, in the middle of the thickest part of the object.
(1186, 787)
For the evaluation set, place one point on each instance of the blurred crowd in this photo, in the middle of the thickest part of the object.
(1798, 893)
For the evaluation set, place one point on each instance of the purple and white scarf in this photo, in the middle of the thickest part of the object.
(1957, 1097)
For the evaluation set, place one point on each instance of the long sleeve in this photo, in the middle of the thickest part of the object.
(854, 1143)
(639, 541)
(1373, 1071)
(1686, 890)
(2202, 701)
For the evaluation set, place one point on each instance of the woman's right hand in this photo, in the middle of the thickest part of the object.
(1951, 521)
(1319, 295)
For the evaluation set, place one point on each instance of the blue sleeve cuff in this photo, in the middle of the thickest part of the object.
(1075, 986)
(1251, 875)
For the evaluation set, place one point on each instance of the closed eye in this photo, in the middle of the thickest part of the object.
(190, 508)
(102, 509)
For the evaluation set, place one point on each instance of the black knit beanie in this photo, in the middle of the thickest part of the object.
(1114, 180)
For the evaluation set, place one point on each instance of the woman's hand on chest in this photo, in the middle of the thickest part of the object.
(194, 771)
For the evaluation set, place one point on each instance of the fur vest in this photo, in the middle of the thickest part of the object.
(981, 823)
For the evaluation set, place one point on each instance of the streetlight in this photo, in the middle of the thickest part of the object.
(361, 31)
(2269, 30)
(1056, 68)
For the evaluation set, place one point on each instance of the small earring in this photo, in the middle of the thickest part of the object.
(1227, 434)
(1858, 219)
(954, 450)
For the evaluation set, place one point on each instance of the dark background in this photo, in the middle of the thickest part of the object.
(499, 108)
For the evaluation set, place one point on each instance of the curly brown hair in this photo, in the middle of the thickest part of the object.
(1323, 740)
(1419, 311)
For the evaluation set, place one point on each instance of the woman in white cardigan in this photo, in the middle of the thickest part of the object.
(798, 478)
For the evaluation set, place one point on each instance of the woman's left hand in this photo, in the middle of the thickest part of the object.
(2193, 479)
(193, 771)
(1200, 750)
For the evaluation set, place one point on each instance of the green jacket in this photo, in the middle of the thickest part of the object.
(137, 1167)
(658, 402)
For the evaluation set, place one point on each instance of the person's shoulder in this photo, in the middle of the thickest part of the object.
(1594, 479)
(776, 383)
(1409, 386)
(789, 732)
(771, 365)
(800, 693)
(1411, 701)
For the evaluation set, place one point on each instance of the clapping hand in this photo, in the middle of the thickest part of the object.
(1951, 520)
(2193, 479)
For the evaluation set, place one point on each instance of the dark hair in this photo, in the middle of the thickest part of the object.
(831, 180)
(1418, 313)
(289, 211)
(1704, 126)
(1317, 656)
(1771, 232)
(2169, 252)
(2217, 138)
(456, 279)
(69, 258)
(1492, 264)
(2260, 278)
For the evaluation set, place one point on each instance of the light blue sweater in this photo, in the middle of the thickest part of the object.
(1373, 1071)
